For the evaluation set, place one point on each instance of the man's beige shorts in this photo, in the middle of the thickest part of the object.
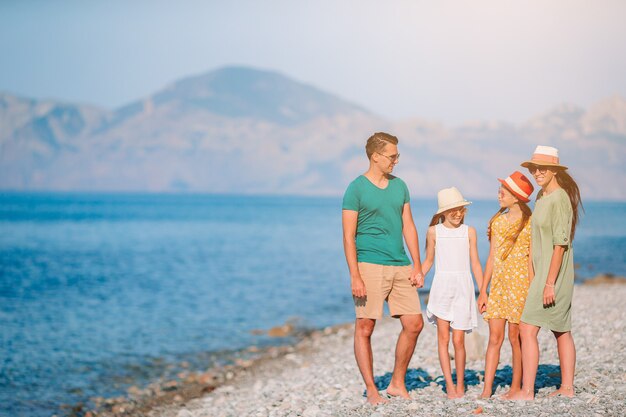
(386, 283)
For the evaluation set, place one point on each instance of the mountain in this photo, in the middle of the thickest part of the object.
(244, 130)
(591, 142)
(241, 93)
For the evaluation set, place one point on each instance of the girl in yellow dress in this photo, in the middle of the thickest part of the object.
(508, 263)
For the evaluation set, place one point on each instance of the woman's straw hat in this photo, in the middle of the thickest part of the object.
(518, 185)
(544, 156)
(449, 198)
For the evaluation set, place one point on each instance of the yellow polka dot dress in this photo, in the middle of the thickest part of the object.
(509, 280)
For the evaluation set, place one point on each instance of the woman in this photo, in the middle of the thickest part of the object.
(549, 299)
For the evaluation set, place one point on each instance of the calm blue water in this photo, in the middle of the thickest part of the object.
(100, 292)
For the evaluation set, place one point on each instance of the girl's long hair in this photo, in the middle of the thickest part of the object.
(526, 213)
(568, 184)
(439, 218)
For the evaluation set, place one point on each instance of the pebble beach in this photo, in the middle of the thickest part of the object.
(319, 377)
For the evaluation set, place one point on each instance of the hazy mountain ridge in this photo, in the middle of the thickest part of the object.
(591, 142)
(240, 92)
(240, 130)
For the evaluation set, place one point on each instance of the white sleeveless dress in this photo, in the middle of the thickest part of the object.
(452, 292)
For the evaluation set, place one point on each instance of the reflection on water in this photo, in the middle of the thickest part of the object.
(99, 292)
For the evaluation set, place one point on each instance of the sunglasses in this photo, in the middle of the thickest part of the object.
(392, 158)
(534, 168)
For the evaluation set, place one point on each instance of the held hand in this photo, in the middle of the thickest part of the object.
(548, 295)
(420, 280)
(417, 278)
(358, 287)
(482, 303)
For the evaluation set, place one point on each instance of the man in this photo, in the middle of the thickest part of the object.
(376, 215)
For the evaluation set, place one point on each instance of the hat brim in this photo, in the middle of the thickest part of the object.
(454, 205)
(516, 194)
(525, 164)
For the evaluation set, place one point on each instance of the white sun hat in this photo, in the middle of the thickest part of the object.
(449, 198)
(544, 156)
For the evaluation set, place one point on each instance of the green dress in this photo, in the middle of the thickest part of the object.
(551, 225)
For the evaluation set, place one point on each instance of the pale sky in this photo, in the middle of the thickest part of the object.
(443, 60)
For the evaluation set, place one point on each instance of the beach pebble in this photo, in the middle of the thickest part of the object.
(311, 411)
(331, 385)
(413, 406)
(258, 386)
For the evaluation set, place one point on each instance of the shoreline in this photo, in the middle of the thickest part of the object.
(191, 391)
(168, 392)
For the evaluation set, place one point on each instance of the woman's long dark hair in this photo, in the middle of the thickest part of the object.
(568, 184)
(526, 213)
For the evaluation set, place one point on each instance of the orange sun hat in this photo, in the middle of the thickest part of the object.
(518, 185)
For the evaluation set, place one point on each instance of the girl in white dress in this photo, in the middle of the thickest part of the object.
(452, 302)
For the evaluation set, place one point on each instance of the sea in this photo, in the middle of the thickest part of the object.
(101, 292)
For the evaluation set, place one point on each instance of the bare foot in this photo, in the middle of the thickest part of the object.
(563, 392)
(401, 392)
(374, 398)
(509, 393)
(485, 395)
(460, 392)
(521, 395)
(452, 393)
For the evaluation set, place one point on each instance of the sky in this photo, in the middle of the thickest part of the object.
(450, 61)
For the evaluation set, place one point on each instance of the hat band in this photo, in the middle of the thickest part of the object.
(545, 158)
(454, 204)
(514, 187)
(450, 205)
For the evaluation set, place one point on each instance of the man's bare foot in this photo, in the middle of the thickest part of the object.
(460, 392)
(401, 392)
(374, 398)
(521, 395)
(564, 391)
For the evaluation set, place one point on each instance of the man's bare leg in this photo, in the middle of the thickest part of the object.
(363, 329)
(412, 325)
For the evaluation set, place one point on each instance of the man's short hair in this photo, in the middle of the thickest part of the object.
(378, 141)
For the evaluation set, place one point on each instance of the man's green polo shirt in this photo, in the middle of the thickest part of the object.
(379, 225)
